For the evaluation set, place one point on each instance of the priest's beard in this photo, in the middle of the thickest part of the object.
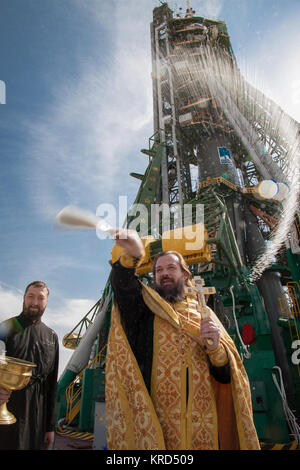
(171, 293)
(33, 313)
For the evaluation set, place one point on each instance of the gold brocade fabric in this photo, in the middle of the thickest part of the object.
(189, 421)
(187, 409)
(131, 421)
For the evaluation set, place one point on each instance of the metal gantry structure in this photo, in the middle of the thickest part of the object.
(216, 141)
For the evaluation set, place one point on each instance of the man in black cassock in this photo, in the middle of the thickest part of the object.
(27, 337)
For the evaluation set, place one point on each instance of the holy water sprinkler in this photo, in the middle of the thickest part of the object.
(73, 217)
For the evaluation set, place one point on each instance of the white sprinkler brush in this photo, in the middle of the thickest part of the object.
(73, 217)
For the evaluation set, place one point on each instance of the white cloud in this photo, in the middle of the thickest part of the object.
(80, 148)
(102, 14)
(210, 8)
(273, 65)
(11, 301)
(67, 314)
(62, 318)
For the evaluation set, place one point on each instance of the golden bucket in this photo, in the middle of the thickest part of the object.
(14, 375)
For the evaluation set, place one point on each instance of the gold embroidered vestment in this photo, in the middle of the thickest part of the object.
(187, 408)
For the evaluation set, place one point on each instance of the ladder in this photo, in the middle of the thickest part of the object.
(74, 390)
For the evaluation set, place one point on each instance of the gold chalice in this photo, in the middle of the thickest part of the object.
(14, 375)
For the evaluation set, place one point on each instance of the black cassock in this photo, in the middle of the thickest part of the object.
(35, 405)
(137, 321)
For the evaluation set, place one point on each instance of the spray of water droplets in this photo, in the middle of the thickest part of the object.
(269, 136)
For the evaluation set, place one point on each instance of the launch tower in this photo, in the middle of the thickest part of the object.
(218, 143)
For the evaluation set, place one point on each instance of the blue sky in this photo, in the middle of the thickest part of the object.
(79, 109)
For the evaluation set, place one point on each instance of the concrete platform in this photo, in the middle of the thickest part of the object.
(71, 443)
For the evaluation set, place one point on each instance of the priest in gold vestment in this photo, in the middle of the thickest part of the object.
(174, 380)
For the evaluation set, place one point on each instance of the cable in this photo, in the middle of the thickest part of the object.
(246, 353)
(290, 417)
